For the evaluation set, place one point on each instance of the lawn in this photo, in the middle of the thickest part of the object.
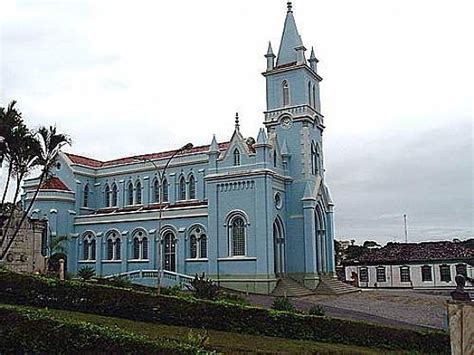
(225, 342)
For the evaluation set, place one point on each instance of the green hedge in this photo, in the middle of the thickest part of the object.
(135, 305)
(26, 331)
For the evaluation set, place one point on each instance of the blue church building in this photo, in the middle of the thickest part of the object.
(245, 212)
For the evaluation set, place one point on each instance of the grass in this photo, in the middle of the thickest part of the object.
(220, 341)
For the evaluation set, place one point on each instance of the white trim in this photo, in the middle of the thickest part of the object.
(138, 260)
(196, 259)
(237, 258)
(87, 261)
(106, 261)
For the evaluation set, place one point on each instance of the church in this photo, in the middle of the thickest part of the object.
(246, 213)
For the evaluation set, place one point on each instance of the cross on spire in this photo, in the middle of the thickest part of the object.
(289, 5)
(237, 125)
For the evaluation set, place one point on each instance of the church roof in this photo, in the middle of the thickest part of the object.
(290, 40)
(94, 163)
(54, 183)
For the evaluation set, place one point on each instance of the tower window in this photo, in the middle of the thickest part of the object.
(309, 94)
(236, 157)
(286, 93)
(275, 158)
(314, 95)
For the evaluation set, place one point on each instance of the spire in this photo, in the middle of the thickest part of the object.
(270, 57)
(262, 137)
(290, 40)
(214, 147)
(237, 125)
(313, 60)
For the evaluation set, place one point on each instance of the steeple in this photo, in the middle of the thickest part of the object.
(270, 57)
(291, 46)
(313, 60)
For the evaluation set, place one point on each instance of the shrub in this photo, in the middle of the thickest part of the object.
(283, 304)
(86, 273)
(120, 282)
(204, 288)
(316, 310)
(232, 298)
(59, 336)
(147, 307)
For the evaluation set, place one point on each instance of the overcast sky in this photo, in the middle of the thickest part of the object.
(129, 77)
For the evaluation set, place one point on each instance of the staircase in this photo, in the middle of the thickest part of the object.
(329, 285)
(290, 288)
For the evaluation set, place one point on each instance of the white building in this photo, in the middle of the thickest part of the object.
(411, 265)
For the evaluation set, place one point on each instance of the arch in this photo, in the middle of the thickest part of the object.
(238, 243)
(139, 244)
(114, 195)
(138, 193)
(279, 247)
(192, 187)
(89, 245)
(236, 155)
(182, 188)
(285, 92)
(164, 193)
(107, 195)
(130, 193)
(197, 242)
(85, 197)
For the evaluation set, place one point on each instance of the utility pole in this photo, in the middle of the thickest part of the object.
(406, 231)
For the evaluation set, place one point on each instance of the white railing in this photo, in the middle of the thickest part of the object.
(296, 111)
(153, 274)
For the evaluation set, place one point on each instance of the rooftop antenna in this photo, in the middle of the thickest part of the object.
(406, 230)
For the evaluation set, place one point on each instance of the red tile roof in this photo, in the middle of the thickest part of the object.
(93, 163)
(394, 253)
(54, 183)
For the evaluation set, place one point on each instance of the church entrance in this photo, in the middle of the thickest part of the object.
(169, 260)
(279, 248)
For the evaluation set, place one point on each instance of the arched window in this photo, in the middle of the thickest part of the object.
(145, 248)
(114, 195)
(156, 191)
(197, 243)
(238, 236)
(85, 199)
(192, 188)
(310, 102)
(314, 95)
(165, 190)
(193, 246)
(136, 248)
(130, 193)
(203, 246)
(138, 193)
(286, 93)
(113, 246)
(314, 159)
(88, 251)
(107, 195)
(169, 251)
(182, 188)
(236, 157)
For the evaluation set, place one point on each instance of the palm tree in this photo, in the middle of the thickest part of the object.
(49, 144)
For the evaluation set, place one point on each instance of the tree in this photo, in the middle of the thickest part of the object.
(24, 151)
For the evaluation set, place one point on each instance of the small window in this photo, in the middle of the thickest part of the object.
(274, 158)
(364, 275)
(85, 201)
(145, 248)
(138, 193)
(426, 274)
(445, 272)
(110, 249)
(118, 249)
(236, 157)
(314, 159)
(405, 274)
(192, 188)
(136, 248)
(314, 95)
(85, 253)
(286, 93)
(309, 94)
(92, 250)
(165, 190)
(114, 195)
(130, 194)
(193, 247)
(182, 188)
(203, 246)
(156, 191)
(381, 274)
(107, 195)
(461, 269)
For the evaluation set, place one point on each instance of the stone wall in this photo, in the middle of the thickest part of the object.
(25, 252)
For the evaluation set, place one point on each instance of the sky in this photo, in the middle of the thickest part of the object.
(124, 78)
